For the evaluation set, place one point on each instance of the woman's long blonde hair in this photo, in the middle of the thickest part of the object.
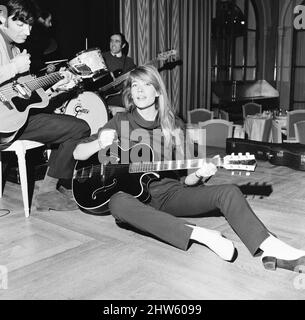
(166, 114)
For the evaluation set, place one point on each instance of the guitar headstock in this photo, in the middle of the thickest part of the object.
(167, 54)
(240, 162)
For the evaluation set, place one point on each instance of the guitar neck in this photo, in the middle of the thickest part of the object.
(44, 81)
(116, 82)
(142, 167)
(122, 78)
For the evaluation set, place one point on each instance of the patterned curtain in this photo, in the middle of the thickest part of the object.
(154, 26)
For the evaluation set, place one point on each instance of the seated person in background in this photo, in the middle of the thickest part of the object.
(117, 63)
(41, 43)
(149, 110)
(17, 17)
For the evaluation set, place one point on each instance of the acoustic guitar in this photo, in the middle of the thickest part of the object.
(18, 97)
(94, 183)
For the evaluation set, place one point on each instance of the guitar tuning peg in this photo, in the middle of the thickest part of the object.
(239, 173)
(248, 174)
(232, 173)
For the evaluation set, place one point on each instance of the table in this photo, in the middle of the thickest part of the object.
(258, 127)
(282, 121)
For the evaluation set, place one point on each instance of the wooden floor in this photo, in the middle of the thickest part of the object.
(72, 255)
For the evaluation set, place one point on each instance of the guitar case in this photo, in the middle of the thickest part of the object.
(291, 155)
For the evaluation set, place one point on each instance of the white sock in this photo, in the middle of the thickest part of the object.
(213, 239)
(279, 249)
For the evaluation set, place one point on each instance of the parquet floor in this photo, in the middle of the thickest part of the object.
(72, 255)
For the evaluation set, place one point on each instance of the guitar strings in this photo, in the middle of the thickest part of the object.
(139, 167)
(8, 89)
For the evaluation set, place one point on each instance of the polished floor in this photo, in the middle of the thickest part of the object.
(72, 255)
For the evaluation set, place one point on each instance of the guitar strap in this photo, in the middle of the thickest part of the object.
(123, 68)
(123, 71)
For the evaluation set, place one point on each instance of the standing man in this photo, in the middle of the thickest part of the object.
(117, 63)
(16, 20)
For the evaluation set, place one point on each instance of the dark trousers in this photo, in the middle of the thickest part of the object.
(189, 202)
(64, 130)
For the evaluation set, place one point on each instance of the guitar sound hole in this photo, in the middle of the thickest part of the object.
(103, 189)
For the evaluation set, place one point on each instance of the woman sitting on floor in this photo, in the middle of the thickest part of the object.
(149, 110)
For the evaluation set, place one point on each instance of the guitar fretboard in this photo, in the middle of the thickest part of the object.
(142, 167)
(115, 82)
(8, 91)
(170, 165)
(44, 81)
(118, 80)
(247, 163)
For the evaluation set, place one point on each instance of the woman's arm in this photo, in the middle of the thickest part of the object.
(85, 150)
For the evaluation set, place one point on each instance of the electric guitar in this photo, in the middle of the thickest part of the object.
(94, 183)
(109, 89)
(18, 97)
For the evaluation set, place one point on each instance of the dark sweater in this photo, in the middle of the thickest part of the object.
(114, 63)
(162, 189)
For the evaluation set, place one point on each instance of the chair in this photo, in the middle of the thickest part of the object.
(238, 131)
(251, 108)
(293, 117)
(217, 132)
(224, 115)
(20, 147)
(199, 115)
(276, 132)
(299, 128)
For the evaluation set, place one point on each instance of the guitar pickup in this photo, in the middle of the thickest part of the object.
(22, 90)
(6, 102)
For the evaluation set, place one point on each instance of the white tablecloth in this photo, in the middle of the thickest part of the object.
(254, 127)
